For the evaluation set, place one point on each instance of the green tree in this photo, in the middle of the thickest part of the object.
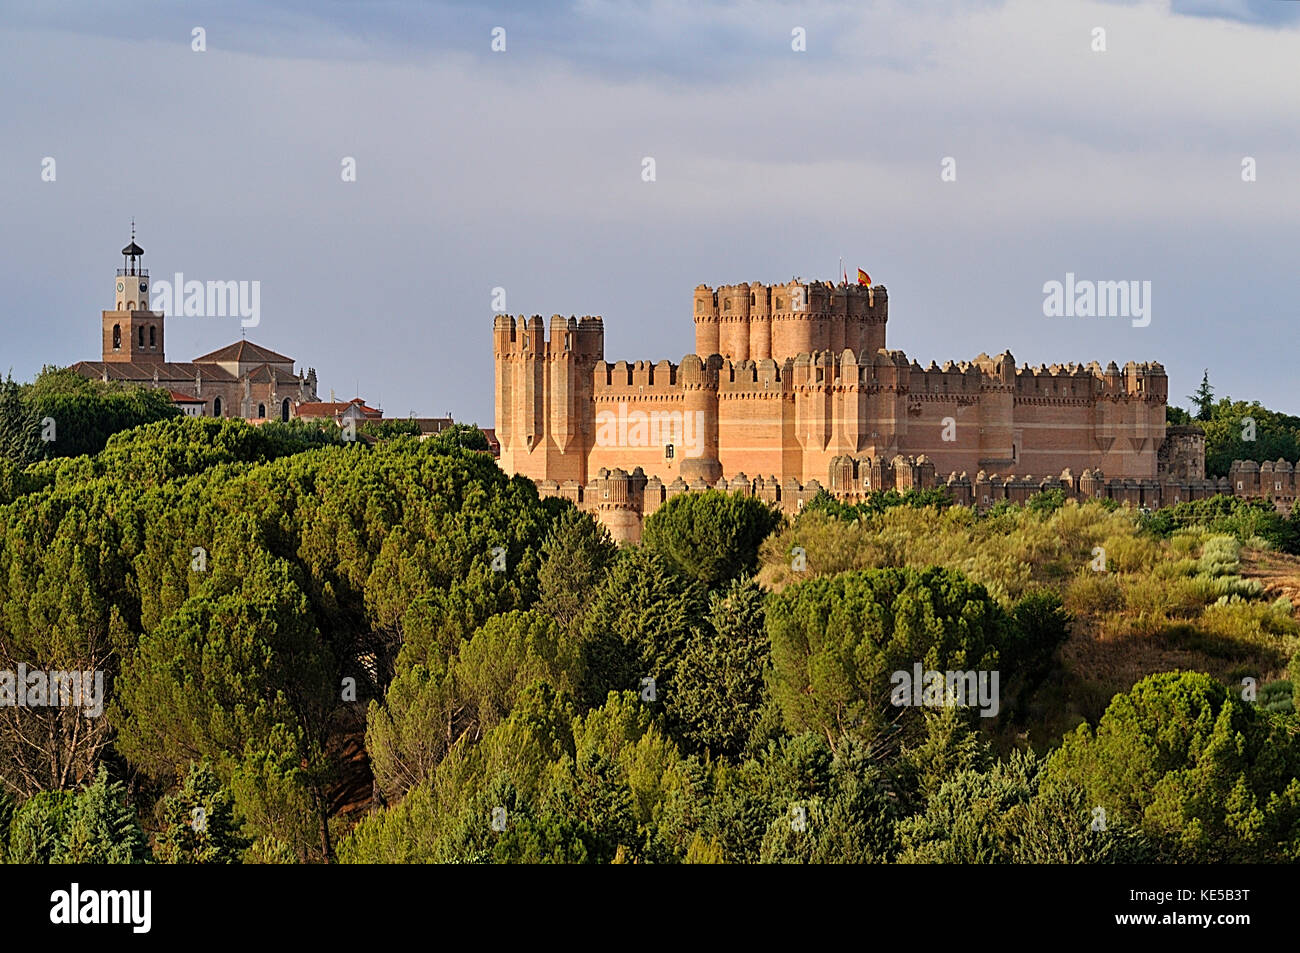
(752, 796)
(1240, 430)
(20, 430)
(388, 429)
(575, 557)
(836, 642)
(947, 747)
(412, 730)
(637, 626)
(201, 824)
(1204, 775)
(720, 688)
(101, 828)
(1203, 399)
(39, 826)
(711, 537)
(243, 680)
(87, 413)
(852, 823)
(1040, 625)
(459, 437)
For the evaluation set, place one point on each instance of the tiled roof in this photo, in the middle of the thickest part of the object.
(144, 373)
(246, 352)
(432, 424)
(179, 398)
(267, 374)
(334, 408)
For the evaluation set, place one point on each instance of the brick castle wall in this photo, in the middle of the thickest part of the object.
(788, 382)
(621, 500)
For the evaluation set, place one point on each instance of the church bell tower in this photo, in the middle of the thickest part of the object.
(132, 333)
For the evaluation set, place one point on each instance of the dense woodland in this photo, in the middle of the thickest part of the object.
(519, 689)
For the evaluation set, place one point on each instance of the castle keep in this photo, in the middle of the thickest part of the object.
(791, 389)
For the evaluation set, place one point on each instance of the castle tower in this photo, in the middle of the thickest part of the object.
(545, 413)
(700, 392)
(791, 326)
(998, 447)
(132, 333)
(752, 322)
(733, 334)
(706, 321)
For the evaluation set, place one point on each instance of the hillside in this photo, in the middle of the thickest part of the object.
(1195, 600)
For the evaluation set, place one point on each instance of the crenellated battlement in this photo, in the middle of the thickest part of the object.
(584, 337)
(639, 376)
(765, 376)
(755, 321)
(887, 370)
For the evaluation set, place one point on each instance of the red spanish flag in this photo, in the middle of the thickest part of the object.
(864, 278)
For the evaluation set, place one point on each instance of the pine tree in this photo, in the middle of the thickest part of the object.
(202, 826)
(102, 828)
(19, 429)
(574, 558)
(1204, 398)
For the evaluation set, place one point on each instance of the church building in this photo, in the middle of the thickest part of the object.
(242, 379)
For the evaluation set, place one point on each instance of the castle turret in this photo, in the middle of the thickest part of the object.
(706, 321)
(619, 499)
(791, 333)
(733, 335)
(700, 393)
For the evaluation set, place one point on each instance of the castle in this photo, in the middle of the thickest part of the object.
(791, 389)
(239, 380)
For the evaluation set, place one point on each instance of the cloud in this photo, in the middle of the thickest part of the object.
(522, 170)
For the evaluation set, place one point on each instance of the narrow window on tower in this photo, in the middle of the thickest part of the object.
(151, 337)
(141, 335)
(117, 337)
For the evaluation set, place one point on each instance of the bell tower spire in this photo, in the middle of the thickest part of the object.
(132, 333)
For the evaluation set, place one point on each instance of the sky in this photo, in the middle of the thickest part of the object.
(523, 169)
